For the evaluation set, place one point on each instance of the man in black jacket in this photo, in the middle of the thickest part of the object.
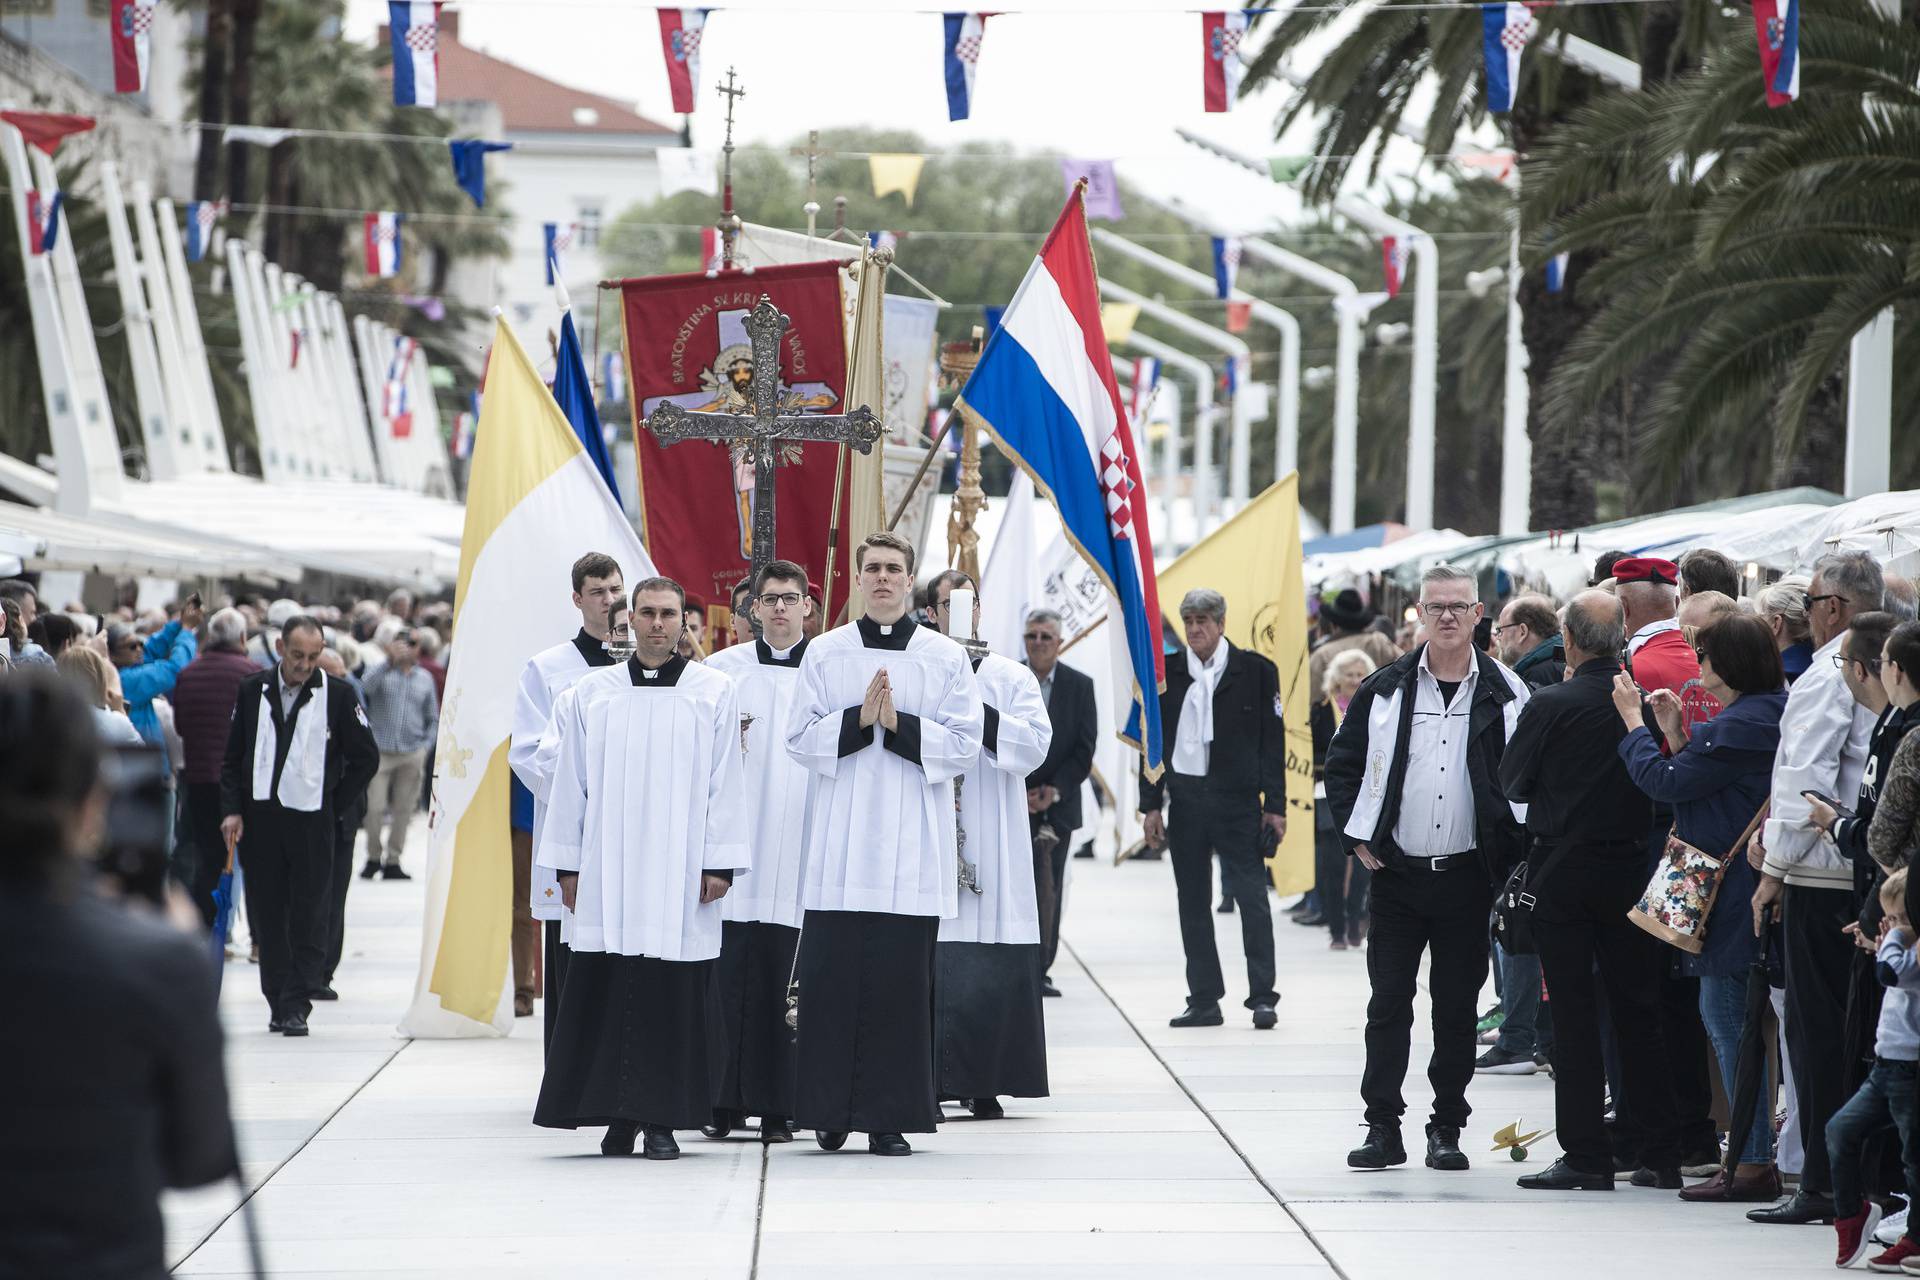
(1223, 802)
(299, 752)
(1587, 823)
(1413, 777)
(1053, 790)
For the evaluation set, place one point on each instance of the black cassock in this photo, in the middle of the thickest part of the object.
(637, 1039)
(865, 1051)
(750, 980)
(991, 1034)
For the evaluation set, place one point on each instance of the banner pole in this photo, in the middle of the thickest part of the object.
(833, 533)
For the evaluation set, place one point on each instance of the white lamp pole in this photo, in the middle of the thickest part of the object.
(1202, 374)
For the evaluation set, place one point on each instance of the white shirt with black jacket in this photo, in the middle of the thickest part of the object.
(314, 767)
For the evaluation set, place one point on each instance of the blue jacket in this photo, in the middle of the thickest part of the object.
(168, 652)
(1715, 784)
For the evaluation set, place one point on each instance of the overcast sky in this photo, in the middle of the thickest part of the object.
(1087, 77)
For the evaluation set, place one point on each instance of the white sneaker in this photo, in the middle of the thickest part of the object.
(1891, 1228)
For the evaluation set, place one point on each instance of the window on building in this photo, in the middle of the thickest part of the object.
(589, 224)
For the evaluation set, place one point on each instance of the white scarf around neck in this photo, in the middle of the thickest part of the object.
(1206, 676)
(303, 778)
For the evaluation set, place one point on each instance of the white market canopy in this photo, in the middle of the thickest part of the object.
(47, 541)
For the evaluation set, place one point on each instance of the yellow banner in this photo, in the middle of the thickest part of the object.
(1254, 561)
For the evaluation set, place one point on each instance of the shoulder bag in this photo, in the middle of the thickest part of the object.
(1681, 894)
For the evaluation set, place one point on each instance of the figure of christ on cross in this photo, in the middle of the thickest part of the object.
(764, 430)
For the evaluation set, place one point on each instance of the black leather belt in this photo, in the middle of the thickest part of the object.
(1445, 862)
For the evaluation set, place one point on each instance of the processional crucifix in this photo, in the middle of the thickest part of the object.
(766, 429)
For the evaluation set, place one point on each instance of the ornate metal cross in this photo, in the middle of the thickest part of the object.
(766, 429)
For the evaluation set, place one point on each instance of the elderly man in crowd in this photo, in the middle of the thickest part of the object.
(1527, 639)
(1413, 780)
(1587, 825)
(1226, 775)
(1053, 790)
(406, 714)
(1824, 736)
(203, 699)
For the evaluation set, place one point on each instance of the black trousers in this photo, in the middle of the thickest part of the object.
(288, 857)
(1819, 960)
(201, 848)
(339, 877)
(865, 1052)
(1580, 925)
(1050, 874)
(1206, 822)
(1444, 913)
(750, 993)
(1342, 880)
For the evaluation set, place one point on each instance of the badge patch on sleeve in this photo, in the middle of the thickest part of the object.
(360, 714)
(1279, 707)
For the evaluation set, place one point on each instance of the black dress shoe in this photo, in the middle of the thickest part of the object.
(1381, 1150)
(1443, 1148)
(1146, 855)
(986, 1109)
(294, 1024)
(1796, 1210)
(275, 1026)
(1084, 851)
(323, 993)
(1199, 1015)
(395, 873)
(1264, 1018)
(722, 1125)
(619, 1139)
(1047, 988)
(1662, 1179)
(1311, 919)
(1225, 908)
(1561, 1176)
(829, 1140)
(776, 1129)
(369, 871)
(659, 1144)
(888, 1144)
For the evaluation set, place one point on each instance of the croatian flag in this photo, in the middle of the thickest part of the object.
(883, 240)
(43, 222)
(131, 23)
(613, 377)
(1146, 381)
(556, 239)
(1045, 389)
(1557, 272)
(383, 244)
(1222, 33)
(463, 427)
(414, 33)
(201, 215)
(1504, 32)
(680, 31)
(399, 396)
(1777, 23)
(1226, 265)
(1393, 259)
(964, 32)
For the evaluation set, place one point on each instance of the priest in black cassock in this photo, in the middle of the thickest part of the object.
(646, 829)
(886, 718)
(762, 914)
(990, 1033)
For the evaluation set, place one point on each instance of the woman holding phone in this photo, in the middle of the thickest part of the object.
(1889, 831)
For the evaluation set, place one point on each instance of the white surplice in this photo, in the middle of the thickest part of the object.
(764, 684)
(993, 809)
(645, 796)
(543, 679)
(880, 818)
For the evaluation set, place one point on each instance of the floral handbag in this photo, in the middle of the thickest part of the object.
(1680, 896)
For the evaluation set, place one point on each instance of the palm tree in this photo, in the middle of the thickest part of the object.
(1748, 244)
(1365, 84)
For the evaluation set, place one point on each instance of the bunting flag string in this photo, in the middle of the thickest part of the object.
(1222, 34)
(1103, 186)
(470, 165)
(398, 392)
(1146, 381)
(413, 33)
(382, 233)
(44, 130)
(557, 241)
(613, 377)
(1226, 265)
(680, 33)
(43, 222)
(1505, 30)
(893, 173)
(131, 26)
(1777, 24)
(201, 217)
(1394, 252)
(961, 58)
(1557, 272)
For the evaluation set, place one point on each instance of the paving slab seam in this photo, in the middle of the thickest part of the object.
(760, 1210)
(1201, 1107)
(249, 1192)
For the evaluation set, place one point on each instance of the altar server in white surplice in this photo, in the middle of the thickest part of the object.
(886, 718)
(646, 828)
(762, 913)
(990, 1036)
(597, 581)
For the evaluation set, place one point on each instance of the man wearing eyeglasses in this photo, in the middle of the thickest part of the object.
(1824, 737)
(1413, 778)
(1053, 790)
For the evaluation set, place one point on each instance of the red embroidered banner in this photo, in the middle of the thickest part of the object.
(686, 341)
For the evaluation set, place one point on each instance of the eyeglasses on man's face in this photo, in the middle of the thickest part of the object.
(1041, 637)
(1813, 600)
(1870, 665)
(790, 599)
(1437, 609)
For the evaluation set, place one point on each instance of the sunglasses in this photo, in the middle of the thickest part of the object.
(1041, 637)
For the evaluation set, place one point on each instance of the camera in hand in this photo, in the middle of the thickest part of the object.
(134, 852)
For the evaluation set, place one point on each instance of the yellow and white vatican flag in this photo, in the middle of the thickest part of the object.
(535, 504)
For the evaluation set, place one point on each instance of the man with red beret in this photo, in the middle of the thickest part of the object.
(1659, 656)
